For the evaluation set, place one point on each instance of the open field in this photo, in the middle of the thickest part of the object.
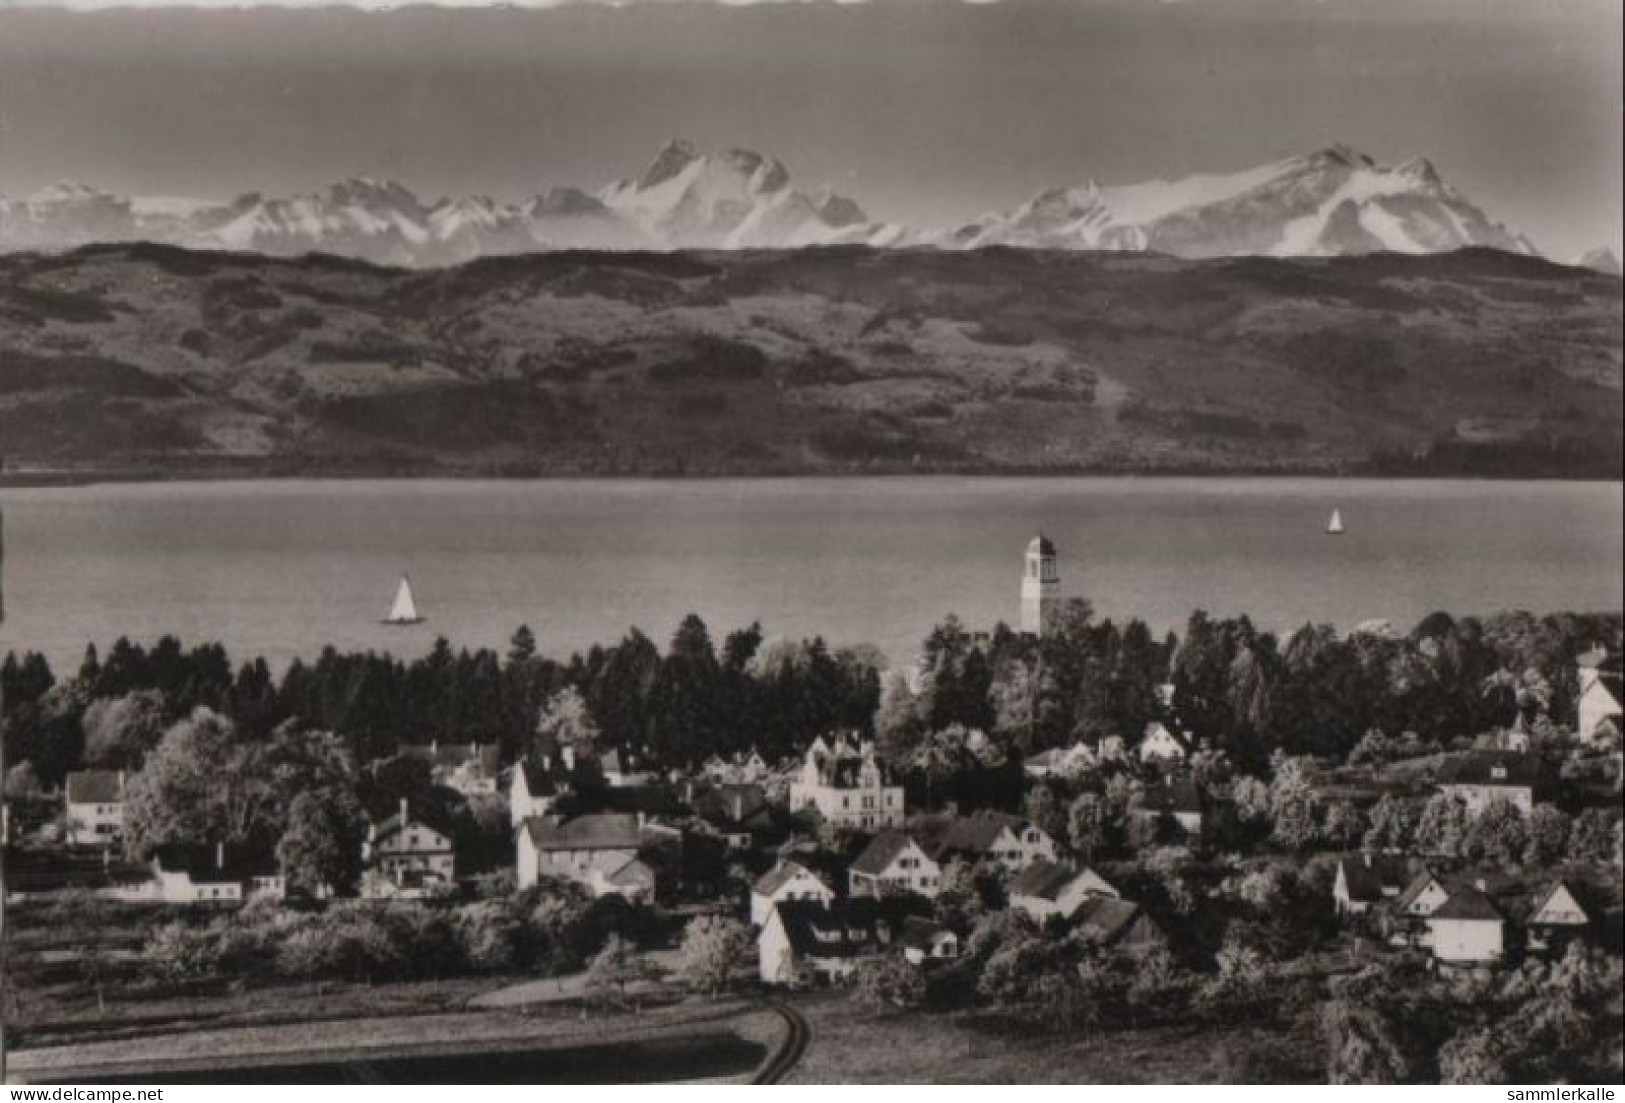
(683, 1041)
(851, 1045)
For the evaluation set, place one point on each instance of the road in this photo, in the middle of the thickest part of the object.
(798, 1035)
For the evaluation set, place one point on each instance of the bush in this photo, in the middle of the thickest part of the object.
(889, 981)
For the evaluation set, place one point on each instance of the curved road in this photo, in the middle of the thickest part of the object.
(795, 1044)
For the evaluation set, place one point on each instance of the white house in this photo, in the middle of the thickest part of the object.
(1601, 693)
(406, 858)
(531, 791)
(1046, 889)
(894, 863)
(598, 851)
(95, 807)
(1478, 777)
(215, 875)
(1161, 745)
(1556, 920)
(1010, 842)
(1365, 880)
(1423, 895)
(847, 786)
(804, 942)
(1467, 929)
(789, 880)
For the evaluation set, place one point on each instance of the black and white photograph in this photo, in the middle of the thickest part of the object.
(723, 542)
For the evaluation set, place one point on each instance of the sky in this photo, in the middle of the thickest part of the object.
(927, 112)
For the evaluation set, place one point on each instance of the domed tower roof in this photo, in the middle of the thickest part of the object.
(1041, 545)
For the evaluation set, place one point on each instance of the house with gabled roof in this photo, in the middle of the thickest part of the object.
(1468, 928)
(94, 807)
(218, 874)
(1116, 924)
(1556, 919)
(894, 863)
(788, 880)
(1479, 777)
(847, 785)
(1049, 889)
(806, 942)
(925, 941)
(741, 814)
(406, 857)
(1010, 842)
(1602, 693)
(598, 851)
(1364, 880)
(1171, 810)
(1160, 744)
(1407, 914)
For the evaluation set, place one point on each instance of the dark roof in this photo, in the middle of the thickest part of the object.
(919, 933)
(597, 831)
(880, 852)
(1041, 544)
(847, 928)
(95, 787)
(941, 834)
(1367, 875)
(1467, 902)
(651, 800)
(730, 805)
(203, 864)
(1043, 879)
(1172, 795)
(1109, 921)
(539, 781)
(1490, 768)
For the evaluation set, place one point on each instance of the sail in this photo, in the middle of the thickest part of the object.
(405, 610)
(1336, 523)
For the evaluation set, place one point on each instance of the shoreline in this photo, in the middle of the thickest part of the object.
(77, 479)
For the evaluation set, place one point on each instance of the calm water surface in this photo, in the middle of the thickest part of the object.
(281, 568)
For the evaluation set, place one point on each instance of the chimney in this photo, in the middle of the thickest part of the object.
(220, 855)
(739, 806)
(569, 757)
(404, 813)
(1367, 856)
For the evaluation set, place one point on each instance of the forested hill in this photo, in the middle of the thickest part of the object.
(148, 360)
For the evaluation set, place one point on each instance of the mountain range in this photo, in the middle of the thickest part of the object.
(140, 359)
(1332, 202)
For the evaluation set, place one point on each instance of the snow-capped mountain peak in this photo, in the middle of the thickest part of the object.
(1332, 200)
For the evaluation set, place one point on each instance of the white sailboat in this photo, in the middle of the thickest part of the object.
(1334, 527)
(405, 610)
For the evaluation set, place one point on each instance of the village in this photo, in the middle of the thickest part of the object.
(1079, 873)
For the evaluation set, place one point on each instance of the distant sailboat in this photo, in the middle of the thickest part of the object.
(405, 610)
(1334, 527)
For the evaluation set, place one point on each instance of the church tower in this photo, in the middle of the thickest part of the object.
(1040, 586)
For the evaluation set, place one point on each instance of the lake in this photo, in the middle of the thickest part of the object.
(281, 568)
